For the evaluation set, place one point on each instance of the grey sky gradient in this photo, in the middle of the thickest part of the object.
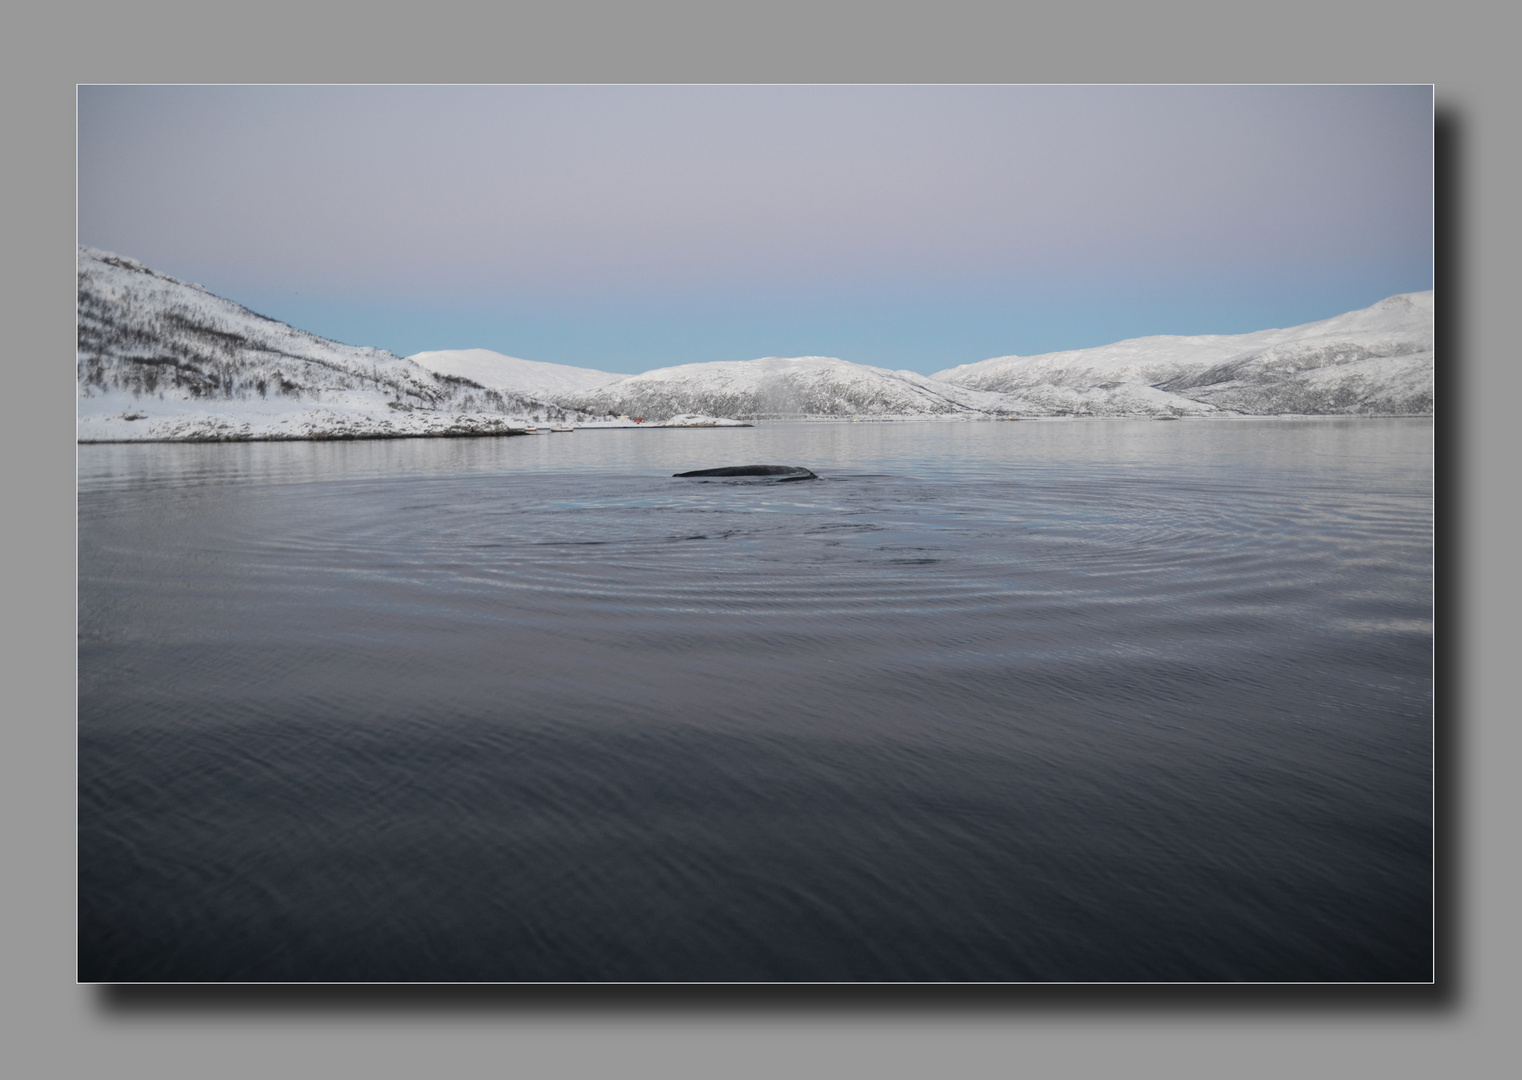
(631, 227)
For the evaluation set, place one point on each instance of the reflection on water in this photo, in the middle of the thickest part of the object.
(990, 701)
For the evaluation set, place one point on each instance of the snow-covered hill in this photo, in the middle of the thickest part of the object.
(783, 387)
(160, 358)
(500, 372)
(1378, 359)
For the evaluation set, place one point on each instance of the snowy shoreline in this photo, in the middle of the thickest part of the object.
(509, 432)
(248, 424)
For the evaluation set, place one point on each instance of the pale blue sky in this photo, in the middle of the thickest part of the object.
(628, 228)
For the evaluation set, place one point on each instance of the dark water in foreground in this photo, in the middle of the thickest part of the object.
(989, 701)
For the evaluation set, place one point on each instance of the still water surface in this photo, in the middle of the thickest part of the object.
(997, 701)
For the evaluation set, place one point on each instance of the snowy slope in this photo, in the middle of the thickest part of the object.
(778, 387)
(160, 358)
(500, 372)
(1377, 359)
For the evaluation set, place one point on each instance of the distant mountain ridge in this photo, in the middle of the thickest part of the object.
(160, 358)
(1379, 359)
(775, 387)
(501, 372)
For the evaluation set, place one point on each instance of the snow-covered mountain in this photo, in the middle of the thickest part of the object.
(160, 358)
(1378, 359)
(500, 372)
(787, 387)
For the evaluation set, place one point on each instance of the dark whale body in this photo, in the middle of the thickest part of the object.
(776, 472)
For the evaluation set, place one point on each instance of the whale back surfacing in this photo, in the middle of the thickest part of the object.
(776, 472)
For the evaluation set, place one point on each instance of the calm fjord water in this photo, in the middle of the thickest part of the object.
(1103, 700)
